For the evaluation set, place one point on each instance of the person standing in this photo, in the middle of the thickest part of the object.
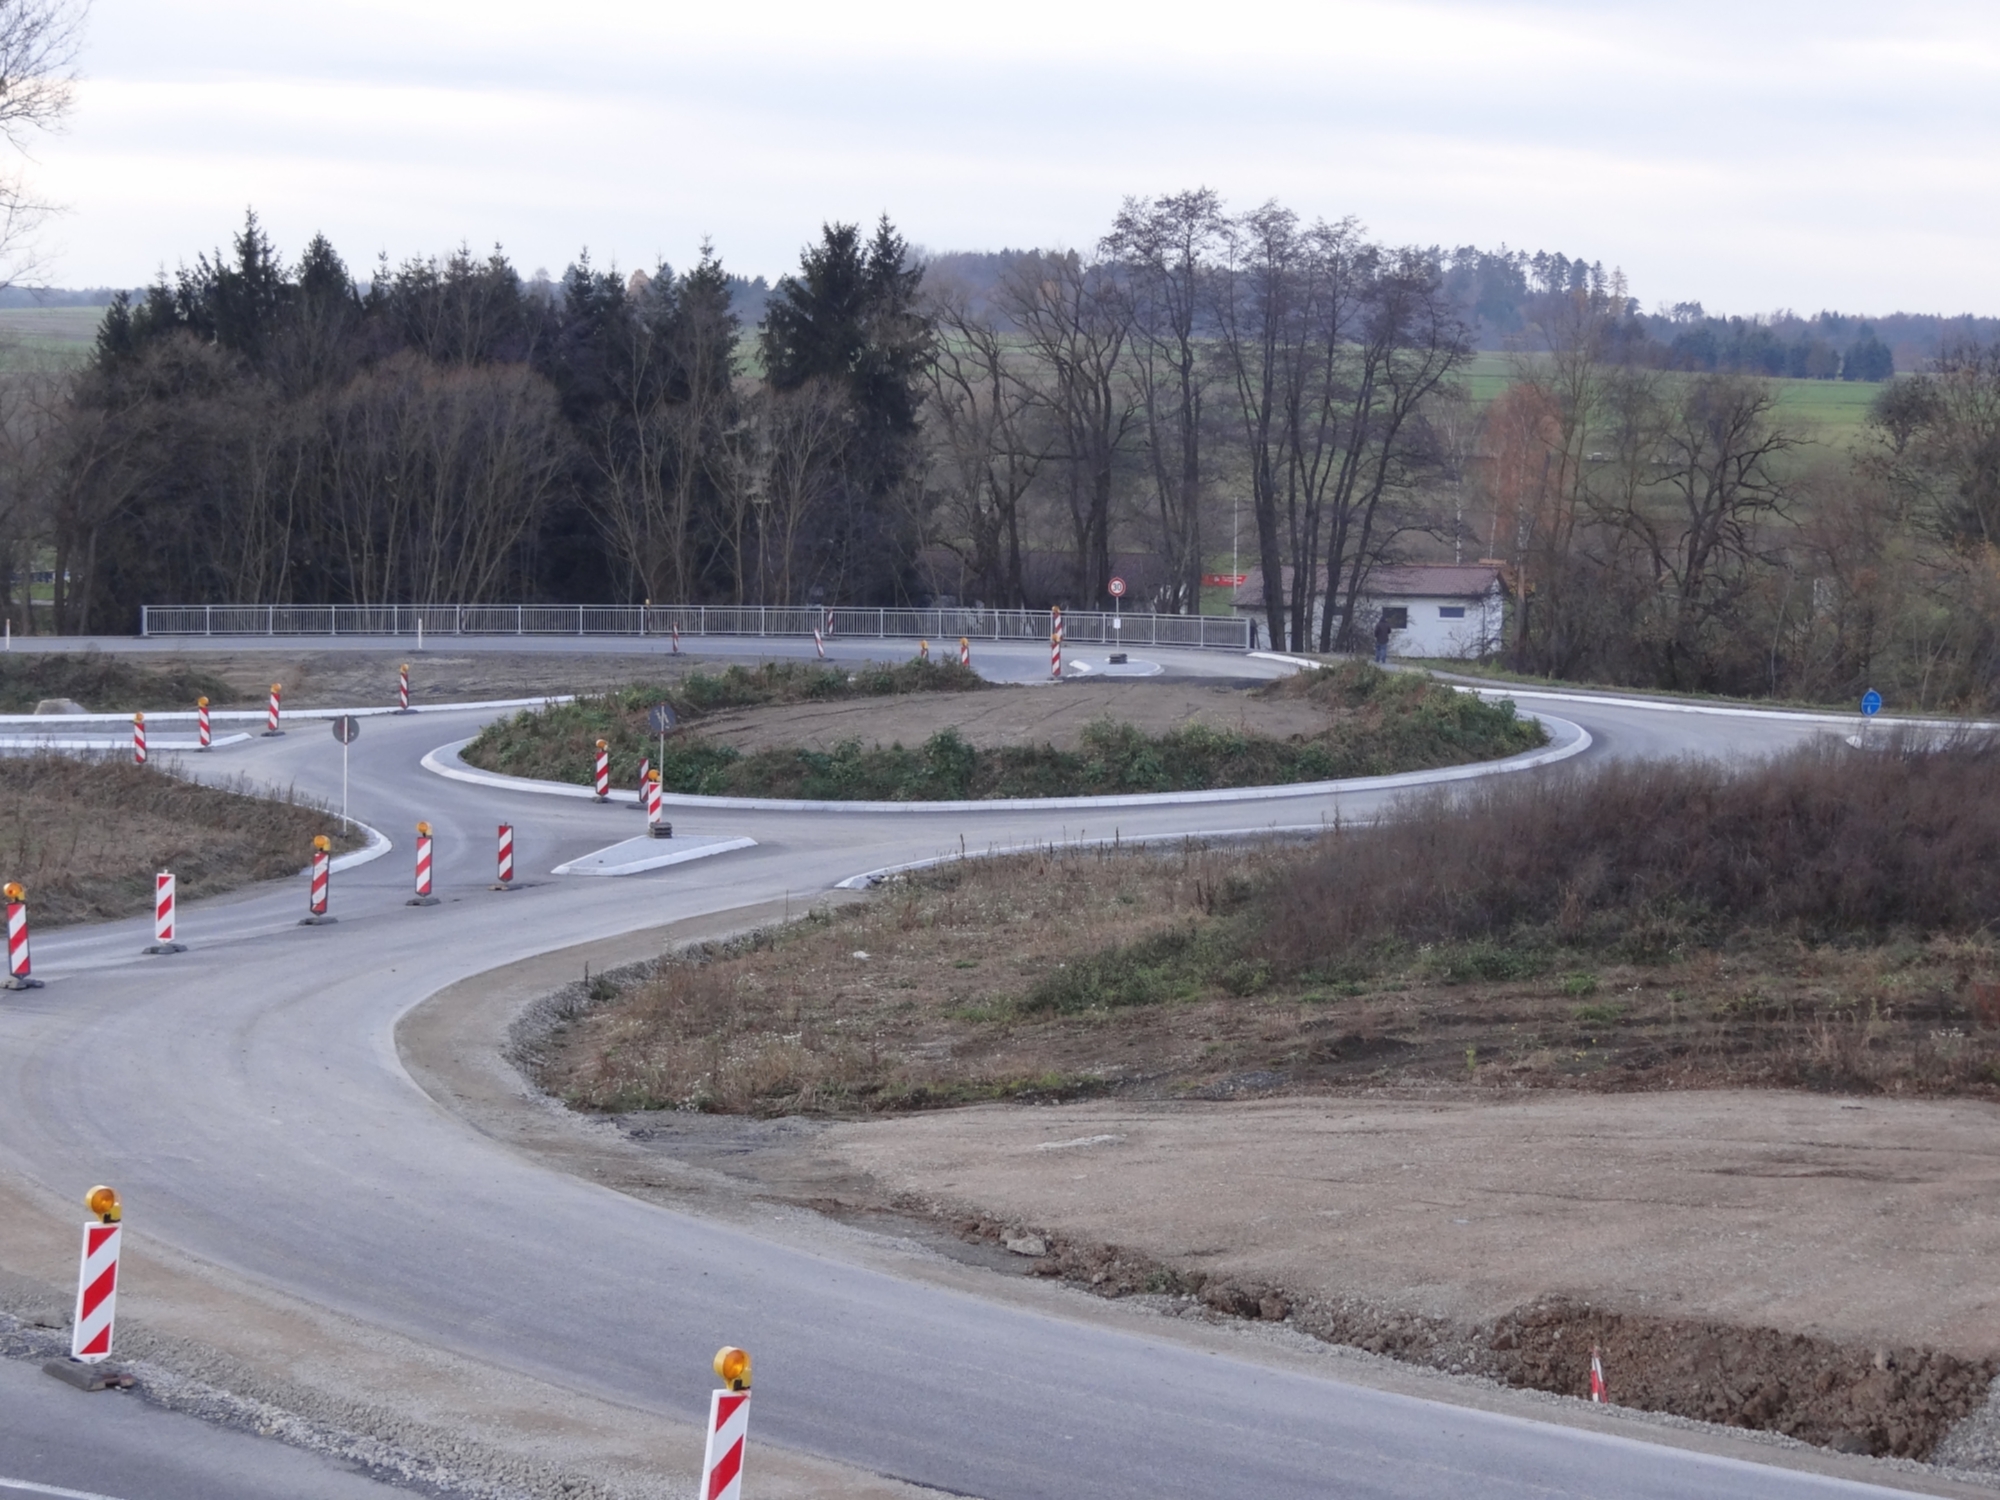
(1382, 638)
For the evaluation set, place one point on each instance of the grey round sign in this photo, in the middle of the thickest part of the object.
(347, 729)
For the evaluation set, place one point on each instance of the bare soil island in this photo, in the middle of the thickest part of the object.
(1055, 714)
(1812, 1264)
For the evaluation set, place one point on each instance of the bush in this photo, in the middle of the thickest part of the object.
(1647, 860)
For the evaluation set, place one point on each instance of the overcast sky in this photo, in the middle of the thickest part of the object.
(1749, 155)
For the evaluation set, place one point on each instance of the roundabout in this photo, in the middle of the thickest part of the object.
(289, 1168)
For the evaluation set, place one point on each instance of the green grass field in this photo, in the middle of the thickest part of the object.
(1832, 411)
(35, 335)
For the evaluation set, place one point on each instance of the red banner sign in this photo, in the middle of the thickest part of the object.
(1223, 580)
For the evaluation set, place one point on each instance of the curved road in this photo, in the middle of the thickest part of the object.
(248, 1100)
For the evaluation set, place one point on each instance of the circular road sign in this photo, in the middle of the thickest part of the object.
(1117, 587)
(1871, 703)
(662, 717)
(347, 729)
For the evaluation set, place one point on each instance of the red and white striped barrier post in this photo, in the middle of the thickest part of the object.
(677, 638)
(138, 739)
(271, 713)
(819, 643)
(322, 882)
(506, 858)
(1596, 1375)
(423, 896)
(964, 652)
(645, 771)
(201, 723)
(403, 689)
(728, 1427)
(603, 771)
(656, 826)
(1055, 641)
(163, 915)
(20, 969)
(97, 1280)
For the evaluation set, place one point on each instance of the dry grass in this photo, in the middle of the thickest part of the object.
(85, 836)
(104, 683)
(1816, 923)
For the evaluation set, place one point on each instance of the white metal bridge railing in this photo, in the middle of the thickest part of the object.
(1217, 632)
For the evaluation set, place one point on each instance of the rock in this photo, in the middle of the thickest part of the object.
(1032, 1244)
(1852, 1442)
(60, 706)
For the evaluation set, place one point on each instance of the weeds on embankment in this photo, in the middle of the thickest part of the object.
(102, 683)
(1819, 921)
(85, 835)
(1379, 723)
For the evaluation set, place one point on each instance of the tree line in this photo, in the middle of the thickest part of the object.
(1197, 386)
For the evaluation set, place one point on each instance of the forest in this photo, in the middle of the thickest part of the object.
(1199, 391)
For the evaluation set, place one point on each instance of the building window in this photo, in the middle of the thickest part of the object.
(1451, 611)
(1398, 616)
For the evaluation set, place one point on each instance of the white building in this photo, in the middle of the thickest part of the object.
(1433, 609)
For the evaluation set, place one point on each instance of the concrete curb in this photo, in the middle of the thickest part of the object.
(651, 861)
(112, 742)
(257, 715)
(444, 761)
(378, 845)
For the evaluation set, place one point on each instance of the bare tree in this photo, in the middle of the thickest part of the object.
(39, 41)
(1165, 247)
(990, 446)
(1074, 329)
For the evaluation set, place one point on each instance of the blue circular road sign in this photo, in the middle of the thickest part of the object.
(1871, 703)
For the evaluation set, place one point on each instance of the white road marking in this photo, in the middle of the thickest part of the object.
(29, 1487)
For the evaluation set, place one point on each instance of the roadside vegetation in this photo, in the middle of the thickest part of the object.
(1822, 921)
(1378, 722)
(103, 683)
(85, 836)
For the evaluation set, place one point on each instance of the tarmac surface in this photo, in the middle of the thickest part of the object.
(248, 1100)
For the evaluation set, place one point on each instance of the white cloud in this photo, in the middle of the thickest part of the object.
(1749, 155)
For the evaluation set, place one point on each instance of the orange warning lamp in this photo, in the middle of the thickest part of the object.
(604, 744)
(733, 1366)
(423, 830)
(653, 776)
(201, 703)
(322, 843)
(16, 891)
(406, 666)
(103, 1202)
(138, 718)
(277, 687)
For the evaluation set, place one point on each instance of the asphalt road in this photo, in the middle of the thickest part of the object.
(247, 1099)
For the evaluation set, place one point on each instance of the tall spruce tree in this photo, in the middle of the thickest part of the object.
(850, 319)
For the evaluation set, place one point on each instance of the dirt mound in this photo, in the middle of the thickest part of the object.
(1853, 1398)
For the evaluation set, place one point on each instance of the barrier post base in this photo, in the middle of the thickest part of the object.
(167, 948)
(98, 1377)
(22, 984)
(317, 921)
(421, 901)
(662, 830)
(507, 885)
(273, 734)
